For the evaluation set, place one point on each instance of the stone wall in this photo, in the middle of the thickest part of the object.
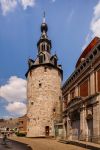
(44, 100)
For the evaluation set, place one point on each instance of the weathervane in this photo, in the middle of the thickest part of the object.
(44, 17)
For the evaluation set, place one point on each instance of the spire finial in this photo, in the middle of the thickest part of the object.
(44, 17)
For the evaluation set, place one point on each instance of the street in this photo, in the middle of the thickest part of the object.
(13, 145)
(41, 144)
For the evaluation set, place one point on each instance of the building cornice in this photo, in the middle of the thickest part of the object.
(44, 64)
(89, 60)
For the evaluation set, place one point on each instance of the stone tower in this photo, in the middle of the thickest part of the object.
(44, 94)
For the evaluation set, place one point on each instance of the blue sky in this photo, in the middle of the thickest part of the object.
(72, 25)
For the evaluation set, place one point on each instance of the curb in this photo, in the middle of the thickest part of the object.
(84, 145)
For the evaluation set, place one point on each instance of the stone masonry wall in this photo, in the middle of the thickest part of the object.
(44, 97)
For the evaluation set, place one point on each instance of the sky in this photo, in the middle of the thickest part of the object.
(72, 24)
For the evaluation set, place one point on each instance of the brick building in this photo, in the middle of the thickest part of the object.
(81, 97)
(44, 93)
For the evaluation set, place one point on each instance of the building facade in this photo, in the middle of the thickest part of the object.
(8, 125)
(81, 97)
(44, 93)
(14, 124)
(22, 124)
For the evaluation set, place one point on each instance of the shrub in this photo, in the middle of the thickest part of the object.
(21, 134)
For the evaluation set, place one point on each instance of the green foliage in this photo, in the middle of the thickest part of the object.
(20, 134)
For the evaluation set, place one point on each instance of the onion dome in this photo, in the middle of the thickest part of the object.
(44, 27)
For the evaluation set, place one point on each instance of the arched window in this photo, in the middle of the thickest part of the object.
(41, 58)
(47, 48)
(42, 47)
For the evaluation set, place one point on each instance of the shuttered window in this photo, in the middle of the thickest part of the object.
(98, 80)
(95, 81)
(84, 88)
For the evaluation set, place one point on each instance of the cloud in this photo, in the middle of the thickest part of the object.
(14, 93)
(70, 16)
(16, 108)
(14, 90)
(94, 25)
(97, 10)
(27, 3)
(53, 1)
(10, 5)
(87, 40)
(7, 5)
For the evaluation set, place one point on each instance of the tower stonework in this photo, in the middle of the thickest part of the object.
(44, 94)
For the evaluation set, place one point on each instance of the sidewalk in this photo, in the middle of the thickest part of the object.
(46, 144)
(84, 144)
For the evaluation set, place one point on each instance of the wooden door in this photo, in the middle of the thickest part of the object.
(47, 130)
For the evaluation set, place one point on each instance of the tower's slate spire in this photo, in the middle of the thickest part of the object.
(44, 44)
(44, 50)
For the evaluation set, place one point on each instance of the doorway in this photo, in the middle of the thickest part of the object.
(90, 129)
(47, 130)
(76, 129)
(75, 124)
(66, 128)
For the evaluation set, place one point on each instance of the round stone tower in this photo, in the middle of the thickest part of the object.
(44, 94)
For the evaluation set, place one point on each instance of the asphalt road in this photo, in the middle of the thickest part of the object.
(13, 145)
